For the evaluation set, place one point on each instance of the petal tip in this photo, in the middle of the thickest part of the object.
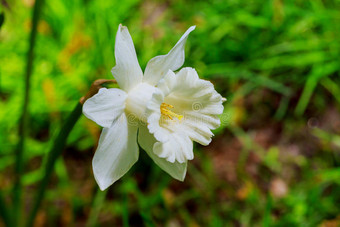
(120, 26)
(102, 188)
(182, 178)
(103, 185)
(192, 28)
(122, 29)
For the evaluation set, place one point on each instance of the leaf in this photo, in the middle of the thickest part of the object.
(318, 72)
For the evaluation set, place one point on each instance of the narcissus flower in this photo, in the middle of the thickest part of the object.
(167, 110)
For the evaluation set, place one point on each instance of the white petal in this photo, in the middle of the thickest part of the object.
(116, 153)
(158, 66)
(105, 106)
(146, 141)
(138, 99)
(198, 132)
(127, 71)
(178, 148)
(211, 121)
(167, 83)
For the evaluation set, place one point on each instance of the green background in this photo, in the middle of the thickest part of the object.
(275, 161)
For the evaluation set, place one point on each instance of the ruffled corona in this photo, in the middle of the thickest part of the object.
(199, 105)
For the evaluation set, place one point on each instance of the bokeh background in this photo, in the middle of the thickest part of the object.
(275, 161)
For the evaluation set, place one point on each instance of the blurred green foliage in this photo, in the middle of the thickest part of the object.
(275, 161)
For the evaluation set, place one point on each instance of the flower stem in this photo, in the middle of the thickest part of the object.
(54, 153)
(98, 201)
(23, 121)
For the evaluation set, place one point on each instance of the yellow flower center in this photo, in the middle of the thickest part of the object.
(168, 113)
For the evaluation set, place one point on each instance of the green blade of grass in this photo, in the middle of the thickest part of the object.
(332, 87)
(23, 121)
(307, 93)
(230, 71)
(318, 72)
(267, 219)
(283, 107)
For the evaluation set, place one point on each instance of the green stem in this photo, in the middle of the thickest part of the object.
(54, 153)
(24, 116)
(96, 207)
(3, 211)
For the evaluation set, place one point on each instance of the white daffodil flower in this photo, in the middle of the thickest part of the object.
(167, 110)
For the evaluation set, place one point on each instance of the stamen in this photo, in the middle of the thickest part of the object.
(169, 113)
